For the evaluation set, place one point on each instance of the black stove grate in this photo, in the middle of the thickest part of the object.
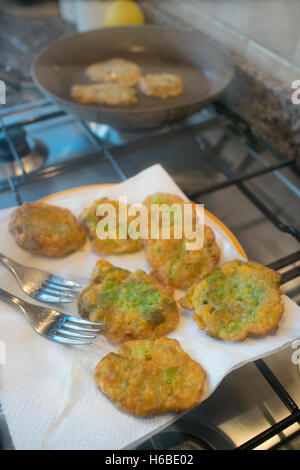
(113, 153)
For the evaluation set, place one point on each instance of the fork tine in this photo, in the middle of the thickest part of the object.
(67, 290)
(43, 297)
(63, 339)
(75, 327)
(56, 293)
(63, 282)
(83, 322)
(76, 335)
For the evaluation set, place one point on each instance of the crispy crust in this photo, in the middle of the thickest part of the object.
(107, 93)
(46, 230)
(147, 378)
(131, 305)
(171, 262)
(239, 299)
(117, 71)
(162, 85)
(108, 245)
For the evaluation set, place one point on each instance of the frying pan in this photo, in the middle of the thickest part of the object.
(206, 71)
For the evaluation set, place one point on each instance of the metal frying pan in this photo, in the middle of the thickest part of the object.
(204, 67)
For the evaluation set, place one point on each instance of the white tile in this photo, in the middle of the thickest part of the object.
(229, 38)
(233, 13)
(275, 24)
(266, 32)
(296, 58)
(294, 74)
(207, 25)
(268, 61)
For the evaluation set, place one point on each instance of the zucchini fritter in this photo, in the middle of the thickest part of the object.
(151, 377)
(118, 71)
(172, 264)
(236, 300)
(161, 85)
(47, 230)
(109, 94)
(131, 305)
(109, 245)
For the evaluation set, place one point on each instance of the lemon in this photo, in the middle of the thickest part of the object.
(123, 12)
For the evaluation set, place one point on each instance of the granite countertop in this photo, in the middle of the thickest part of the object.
(21, 40)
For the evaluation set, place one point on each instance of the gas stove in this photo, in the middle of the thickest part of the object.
(216, 160)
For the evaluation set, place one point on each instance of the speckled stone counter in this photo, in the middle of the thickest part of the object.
(21, 40)
(266, 104)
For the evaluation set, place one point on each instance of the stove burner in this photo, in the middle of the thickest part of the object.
(32, 152)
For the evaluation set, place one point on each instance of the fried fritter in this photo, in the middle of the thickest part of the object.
(118, 71)
(171, 262)
(151, 377)
(47, 230)
(162, 198)
(107, 93)
(236, 300)
(131, 305)
(108, 245)
(162, 85)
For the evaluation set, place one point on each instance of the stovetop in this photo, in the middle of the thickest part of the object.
(216, 160)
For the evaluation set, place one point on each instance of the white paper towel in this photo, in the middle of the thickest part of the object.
(47, 390)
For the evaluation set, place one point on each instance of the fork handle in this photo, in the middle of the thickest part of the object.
(13, 299)
(8, 262)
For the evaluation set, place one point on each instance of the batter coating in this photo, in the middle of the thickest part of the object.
(118, 71)
(162, 198)
(108, 245)
(171, 262)
(147, 378)
(107, 93)
(163, 85)
(131, 305)
(47, 230)
(236, 300)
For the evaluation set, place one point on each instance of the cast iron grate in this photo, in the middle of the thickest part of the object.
(114, 155)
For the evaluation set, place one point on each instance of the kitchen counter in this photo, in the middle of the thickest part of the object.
(21, 40)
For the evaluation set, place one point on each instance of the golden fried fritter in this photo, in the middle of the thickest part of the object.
(163, 198)
(162, 85)
(46, 230)
(151, 377)
(108, 245)
(118, 71)
(131, 305)
(236, 300)
(107, 93)
(171, 262)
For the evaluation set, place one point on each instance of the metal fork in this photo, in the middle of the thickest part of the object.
(55, 325)
(41, 285)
